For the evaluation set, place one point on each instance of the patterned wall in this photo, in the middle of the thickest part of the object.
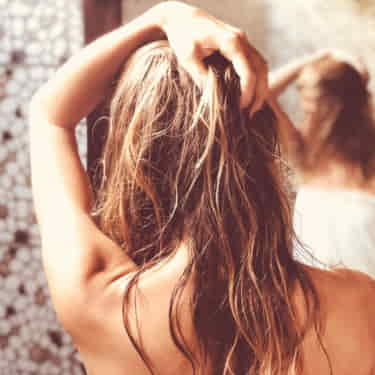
(35, 37)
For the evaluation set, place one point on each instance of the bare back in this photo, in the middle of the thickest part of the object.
(347, 300)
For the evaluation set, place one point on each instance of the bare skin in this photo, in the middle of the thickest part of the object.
(87, 272)
(346, 299)
(347, 302)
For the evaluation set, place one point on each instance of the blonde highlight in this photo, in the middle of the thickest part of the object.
(180, 161)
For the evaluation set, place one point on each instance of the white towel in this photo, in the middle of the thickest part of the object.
(337, 227)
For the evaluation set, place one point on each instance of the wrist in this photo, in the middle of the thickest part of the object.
(142, 30)
(167, 11)
(154, 16)
(300, 64)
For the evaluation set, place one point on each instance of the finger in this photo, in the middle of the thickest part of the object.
(261, 90)
(195, 66)
(238, 53)
(248, 79)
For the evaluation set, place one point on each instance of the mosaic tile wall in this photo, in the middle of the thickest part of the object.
(36, 36)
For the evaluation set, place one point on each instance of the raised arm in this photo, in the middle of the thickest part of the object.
(80, 261)
(281, 78)
(83, 81)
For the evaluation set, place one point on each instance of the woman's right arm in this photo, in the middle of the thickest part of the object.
(281, 78)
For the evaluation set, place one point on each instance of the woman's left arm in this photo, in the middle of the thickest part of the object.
(77, 257)
(281, 78)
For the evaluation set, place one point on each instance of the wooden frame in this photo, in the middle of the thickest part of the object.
(99, 16)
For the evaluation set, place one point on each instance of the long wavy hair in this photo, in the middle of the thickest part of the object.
(340, 127)
(181, 161)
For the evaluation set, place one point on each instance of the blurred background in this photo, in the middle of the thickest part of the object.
(35, 38)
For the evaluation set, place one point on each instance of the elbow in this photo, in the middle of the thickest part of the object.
(35, 106)
(38, 94)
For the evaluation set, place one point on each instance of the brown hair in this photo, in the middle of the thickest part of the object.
(180, 160)
(341, 127)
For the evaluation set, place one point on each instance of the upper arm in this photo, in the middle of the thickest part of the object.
(80, 263)
(280, 79)
(86, 271)
(78, 258)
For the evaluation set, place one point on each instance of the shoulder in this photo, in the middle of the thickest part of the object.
(355, 310)
(348, 297)
(346, 288)
(347, 313)
(102, 308)
(347, 300)
(360, 284)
